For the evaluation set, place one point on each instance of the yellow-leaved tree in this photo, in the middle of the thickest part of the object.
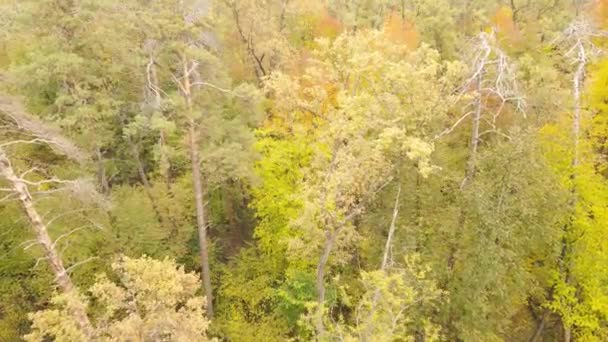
(151, 300)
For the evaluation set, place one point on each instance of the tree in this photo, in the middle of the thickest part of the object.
(151, 300)
(19, 187)
(576, 295)
(361, 136)
(211, 116)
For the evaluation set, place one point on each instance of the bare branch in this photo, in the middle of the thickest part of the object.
(37, 141)
(69, 269)
(47, 181)
(39, 260)
(224, 90)
(494, 75)
(65, 235)
(13, 109)
(7, 197)
(29, 171)
(64, 214)
(449, 130)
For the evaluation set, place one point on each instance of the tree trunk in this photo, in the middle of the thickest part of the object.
(470, 172)
(383, 265)
(185, 86)
(567, 334)
(391, 230)
(102, 179)
(197, 183)
(148, 189)
(62, 278)
(577, 81)
(200, 217)
(541, 327)
(320, 280)
(576, 122)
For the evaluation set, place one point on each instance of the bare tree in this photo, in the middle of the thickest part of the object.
(19, 189)
(491, 86)
(493, 78)
(577, 39)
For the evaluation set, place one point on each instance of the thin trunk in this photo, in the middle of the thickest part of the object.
(576, 124)
(197, 183)
(468, 178)
(383, 265)
(577, 81)
(471, 163)
(165, 162)
(102, 179)
(62, 278)
(200, 218)
(541, 327)
(154, 97)
(391, 230)
(320, 280)
(148, 189)
(154, 83)
(470, 171)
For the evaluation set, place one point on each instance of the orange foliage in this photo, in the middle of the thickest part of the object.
(503, 21)
(327, 26)
(600, 12)
(399, 30)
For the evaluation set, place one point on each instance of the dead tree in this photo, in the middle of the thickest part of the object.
(490, 87)
(492, 79)
(21, 124)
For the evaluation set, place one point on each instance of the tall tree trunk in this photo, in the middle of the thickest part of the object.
(471, 164)
(541, 327)
(391, 231)
(476, 120)
(62, 278)
(567, 334)
(197, 183)
(200, 217)
(383, 265)
(468, 178)
(577, 83)
(330, 238)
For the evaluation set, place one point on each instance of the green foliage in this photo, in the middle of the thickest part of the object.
(307, 116)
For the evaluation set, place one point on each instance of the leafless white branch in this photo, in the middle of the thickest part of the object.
(69, 269)
(37, 141)
(223, 90)
(65, 235)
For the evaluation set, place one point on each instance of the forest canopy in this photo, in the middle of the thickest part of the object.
(304, 170)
